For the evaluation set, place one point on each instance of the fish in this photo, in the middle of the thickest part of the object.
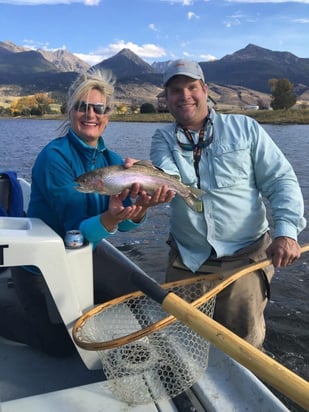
(111, 180)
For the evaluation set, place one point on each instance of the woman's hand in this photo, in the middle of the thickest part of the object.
(136, 212)
(117, 212)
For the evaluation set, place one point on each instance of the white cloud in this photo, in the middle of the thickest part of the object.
(34, 45)
(192, 15)
(208, 57)
(91, 2)
(49, 2)
(91, 59)
(182, 2)
(232, 22)
(185, 43)
(302, 21)
(144, 51)
(268, 1)
(152, 26)
(238, 18)
(201, 57)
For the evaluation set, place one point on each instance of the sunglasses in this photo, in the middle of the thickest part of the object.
(83, 107)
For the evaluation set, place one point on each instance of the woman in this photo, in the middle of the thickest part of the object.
(55, 200)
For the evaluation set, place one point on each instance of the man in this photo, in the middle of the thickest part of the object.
(236, 163)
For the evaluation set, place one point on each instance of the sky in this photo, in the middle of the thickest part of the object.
(156, 30)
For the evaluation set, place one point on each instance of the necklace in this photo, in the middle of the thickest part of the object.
(196, 148)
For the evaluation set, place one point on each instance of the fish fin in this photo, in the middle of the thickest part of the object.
(194, 204)
(194, 201)
(177, 177)
(198, 192)
(146, 163)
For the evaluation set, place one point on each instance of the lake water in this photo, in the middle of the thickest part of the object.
(287, 313)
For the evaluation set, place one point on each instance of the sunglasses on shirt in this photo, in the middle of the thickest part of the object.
(83, 107)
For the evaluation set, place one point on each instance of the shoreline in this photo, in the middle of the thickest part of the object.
(280, 117)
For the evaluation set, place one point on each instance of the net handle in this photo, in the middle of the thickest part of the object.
(168, 320)
(266, 368)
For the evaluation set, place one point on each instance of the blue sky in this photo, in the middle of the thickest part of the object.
(156, 30)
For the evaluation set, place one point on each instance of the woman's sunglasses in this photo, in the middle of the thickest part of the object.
(83, 107)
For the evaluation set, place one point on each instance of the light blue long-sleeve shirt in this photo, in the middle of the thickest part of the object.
(238, 169)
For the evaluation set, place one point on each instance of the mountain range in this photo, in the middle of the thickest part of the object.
(244, 73)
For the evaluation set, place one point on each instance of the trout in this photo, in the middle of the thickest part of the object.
(111, 180)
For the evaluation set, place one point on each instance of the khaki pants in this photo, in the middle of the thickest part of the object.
(240, 306)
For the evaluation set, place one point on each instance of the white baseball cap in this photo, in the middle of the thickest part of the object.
(185, 68)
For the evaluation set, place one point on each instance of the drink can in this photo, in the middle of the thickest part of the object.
(73, 239)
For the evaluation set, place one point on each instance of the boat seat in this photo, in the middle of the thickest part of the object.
(11, 195)
(4, 192)
(68, 272)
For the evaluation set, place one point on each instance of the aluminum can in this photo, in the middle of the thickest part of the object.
(73, 239)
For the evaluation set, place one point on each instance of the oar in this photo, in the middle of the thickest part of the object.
(272, 372)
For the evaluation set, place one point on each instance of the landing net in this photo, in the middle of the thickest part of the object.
(147, 355)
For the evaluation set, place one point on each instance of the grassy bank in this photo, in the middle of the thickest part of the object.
(297, 116)
(142, 117)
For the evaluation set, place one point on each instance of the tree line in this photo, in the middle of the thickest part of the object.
(282, 97)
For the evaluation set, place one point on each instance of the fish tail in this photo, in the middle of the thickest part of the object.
(194, 200)
(194, 203)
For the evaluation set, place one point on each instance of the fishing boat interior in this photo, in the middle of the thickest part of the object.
(32, 381)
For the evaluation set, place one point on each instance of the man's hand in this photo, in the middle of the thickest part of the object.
(283, 251)
(161, 195)
(117, 212)
(145, 200)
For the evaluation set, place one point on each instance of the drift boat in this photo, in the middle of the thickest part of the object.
(32, 381)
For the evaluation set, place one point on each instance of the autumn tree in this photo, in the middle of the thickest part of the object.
(283, 96)
(121, 108)
(23, 106)
(37, 105)
(42, 103)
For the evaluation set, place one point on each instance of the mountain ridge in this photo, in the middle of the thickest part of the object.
(253, 66)
(244, 73)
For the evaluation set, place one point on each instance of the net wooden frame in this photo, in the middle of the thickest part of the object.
(98, 346)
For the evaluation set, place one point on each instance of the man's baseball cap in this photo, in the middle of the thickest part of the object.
(185, 68)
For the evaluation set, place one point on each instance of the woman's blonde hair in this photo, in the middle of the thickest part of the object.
(101, 80)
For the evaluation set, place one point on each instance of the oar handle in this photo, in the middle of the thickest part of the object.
(272, 372)
(260, 364)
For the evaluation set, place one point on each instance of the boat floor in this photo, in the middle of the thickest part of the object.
(30, 381)
(25, 371)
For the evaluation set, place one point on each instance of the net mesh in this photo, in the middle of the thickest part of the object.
(146, 359)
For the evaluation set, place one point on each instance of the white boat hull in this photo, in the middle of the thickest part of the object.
(31, 381)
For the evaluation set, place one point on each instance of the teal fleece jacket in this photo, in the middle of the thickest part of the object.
(53, 196)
